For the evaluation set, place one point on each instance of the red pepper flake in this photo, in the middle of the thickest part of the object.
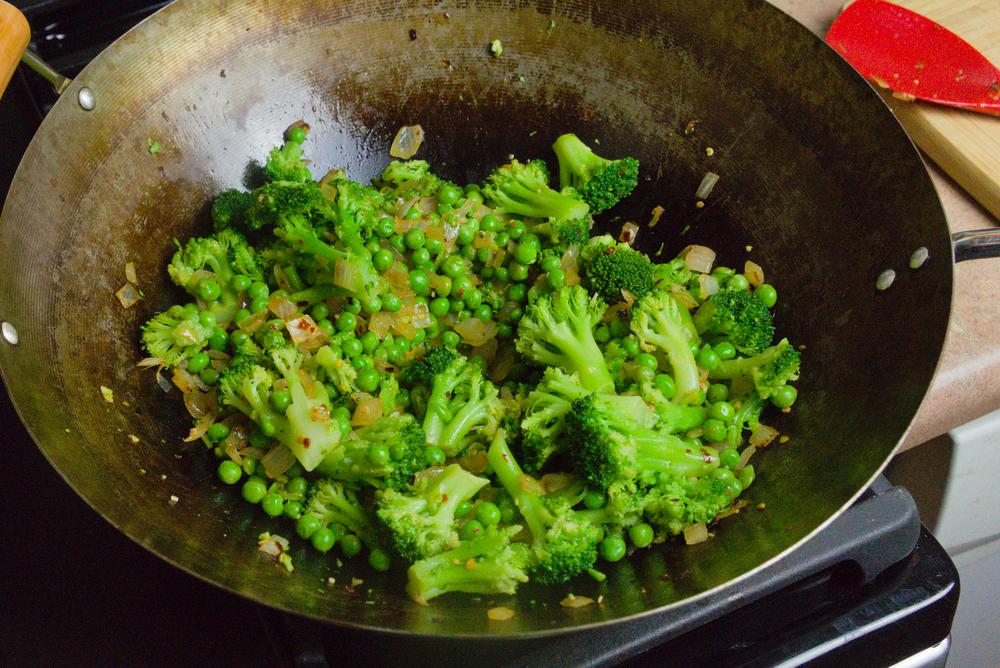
(306, 442)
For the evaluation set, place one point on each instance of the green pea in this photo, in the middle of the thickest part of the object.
(209, 290)
(504, 330)
(258, 291)
(240, 316)
(258, 305)
(717, 392)
(363, 362)
(483, 313)
(473, 297)
(514, 315)
(229, 472)
(516, 229)
(602, 334)
(434, 246)
(378, 454)
(297, 486)
(391, 302)
(254, 490)
(556, 279)
(525, 253)
(379, 560)
(217, 432)
(488, 513)
(369, 340)
(346, 322)
(350, 545)
(725, 350)
(483, 256)
(721, 410)
(415, 238)
(730, 458)
(434, 456)
(210, 376)
(714, 430)
(281, 400)
(322, 539)
(206, 318)
(385, 227)
(466, 235)
(413, 213)
(472, 529)
(295, 135)
(420, 282)
(382, 259)
(307, 525)
(453, 266)
(367, 380)
(272, 339)
(352, 348)
(619, 328)
(613, 548)
(518, 272)
(707, 359)
(344, 426)
(293, 510)
(631, 347)
(272, 504)
(397, 242)
(646, 361)
(249, 466)
(517, 292)
(198, 363)
(738, 282)
(463, 509)
(372, 305)
(746, 476)
(352, 306)
(460, 285)
(439, 307)
(489, 223)
(594, 499)
(240, 283)
(258, 439)
(784, 396)
(449, 194)
(218, 339)
(326, 326)
(641, 535)
(450, 339)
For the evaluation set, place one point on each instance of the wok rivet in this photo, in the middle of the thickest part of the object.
(885, 279)
(919, 257)
(86, 99)
(9, 333)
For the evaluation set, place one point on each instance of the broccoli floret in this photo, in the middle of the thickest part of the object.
(174, 335)
(339, 372)
(332, 502)
(424, 370)
(675, 272)
(601, 182)
(359, 276)
(278, 199)
(746, 418)
(230, 208)
(670, 417)
(614, 267)
(487, 564)
(677, 502)
(312, 432)
(564, 543)
(361, 456)
(522, 189)
(462, 406)
(544, 422)
(737, 316)
(557, 330)
(616, 442)
(410, 179)
(246, 386)
(769, 370)
(660, 322)
(225, 254)
(622, 507)
(565, 233)
(421, 520)
(358, 209)
(285, 163)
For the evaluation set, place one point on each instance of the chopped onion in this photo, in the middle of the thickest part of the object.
(530, 485)
(488, 351)
(502, 364)
(200, 427)
(407, 142)
(380, 323)
(499, 614)
(302, 329)
(425, 474)
(655, 218)
(474, 462)
(162, 381)
(475, 332)
(272, 545)
(745, 456)
(130, 273)
(570, 265)
(367, 412)
(708, 285)
(200, 403)
(347, 276)
(754, 273)
(629, 233)
(556, 481)
(573, 601)
(762, 435)
(707, 185)
(217, 355)
(187, 382)
(281, 279)
(699, 258)
(253, 453)
(148, 362)
(277, 460)
(399, 278)
(696, 533)
(252, 323)
(281, 307)
(128, 295)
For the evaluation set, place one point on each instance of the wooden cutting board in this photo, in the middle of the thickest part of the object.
(964, 144)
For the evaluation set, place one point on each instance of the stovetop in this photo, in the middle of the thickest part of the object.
(74, 591)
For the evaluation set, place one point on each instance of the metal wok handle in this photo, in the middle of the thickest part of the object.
(976, 244)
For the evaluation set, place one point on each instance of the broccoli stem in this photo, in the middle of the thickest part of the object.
(509, 473)
(575, 157)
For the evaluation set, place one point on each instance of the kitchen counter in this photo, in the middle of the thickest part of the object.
(967, 383)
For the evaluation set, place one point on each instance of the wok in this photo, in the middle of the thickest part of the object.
(816, 177)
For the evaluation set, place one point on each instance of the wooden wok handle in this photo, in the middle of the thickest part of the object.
(15, 33)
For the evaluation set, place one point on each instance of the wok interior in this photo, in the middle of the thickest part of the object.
(815, 176)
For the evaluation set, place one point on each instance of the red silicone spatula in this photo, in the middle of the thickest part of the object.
(914, 56)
